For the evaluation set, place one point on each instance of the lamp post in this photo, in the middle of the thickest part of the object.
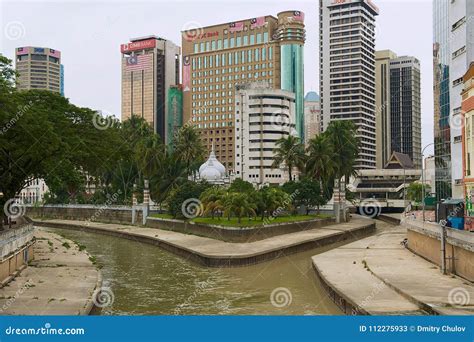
(423, 180)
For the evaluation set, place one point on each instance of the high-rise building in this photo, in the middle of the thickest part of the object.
(453, 50)
(39, 68)
(405, 108)
(312, 113)
(347, 69)
(218, 58)
(382, 106)
(150, 67)
(262, 116)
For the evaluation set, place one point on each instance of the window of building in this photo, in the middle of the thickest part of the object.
(259, 38)
(239, 41)
(196, 47)
(265, 37)
(246, 40)
(252, 39)
(232, 42)
(226, 43)
(219, 44)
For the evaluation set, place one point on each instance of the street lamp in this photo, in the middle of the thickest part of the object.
(423, 180)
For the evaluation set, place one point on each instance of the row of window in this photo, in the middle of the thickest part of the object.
(232, 58)
(232, 42)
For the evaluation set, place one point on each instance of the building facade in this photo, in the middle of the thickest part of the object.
(453, 50)
(262, 116)
(33, 192)
(150, 67)
(468, 138)
(405, 108)
(347, 70)
(218, 58)
(382, 106)
(39, 68)
(312, 113)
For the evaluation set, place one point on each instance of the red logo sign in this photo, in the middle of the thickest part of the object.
(140, 45)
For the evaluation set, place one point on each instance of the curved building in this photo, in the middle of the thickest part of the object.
(291, 34)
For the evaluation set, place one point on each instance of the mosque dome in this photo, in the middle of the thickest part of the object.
(214, 164)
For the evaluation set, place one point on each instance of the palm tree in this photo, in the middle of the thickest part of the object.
(320, 164)
(211, 200)
(238, 204)
(342, 136)
(289, 151)
(189, 148)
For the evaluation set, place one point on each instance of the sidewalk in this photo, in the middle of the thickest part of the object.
(211, 252)
(377, 275)
(59, 281)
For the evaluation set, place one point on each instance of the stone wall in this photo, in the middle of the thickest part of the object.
(231, 234)
(425, 240)
(116, 214)
(16, 250)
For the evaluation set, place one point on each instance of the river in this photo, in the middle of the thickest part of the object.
(146, 280)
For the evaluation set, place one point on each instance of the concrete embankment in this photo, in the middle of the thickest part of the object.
(216, 253)
(379, 276)
(61, 280)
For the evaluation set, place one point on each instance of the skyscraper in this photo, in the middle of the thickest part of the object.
(405, 108)
(218, 58)
(39, 68)
(150, 67)
(398, 107)
(453, 50)
(382, 106)
(347, 69)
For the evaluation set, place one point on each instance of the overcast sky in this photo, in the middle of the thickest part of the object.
(89, 34)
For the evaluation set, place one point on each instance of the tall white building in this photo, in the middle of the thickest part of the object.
(461, 47)
(347, 69)
(262, 116)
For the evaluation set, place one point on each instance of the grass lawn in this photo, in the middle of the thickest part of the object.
(245, 222)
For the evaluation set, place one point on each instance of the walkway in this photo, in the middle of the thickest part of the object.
(211, 252)
(60, 280)
(379, 276)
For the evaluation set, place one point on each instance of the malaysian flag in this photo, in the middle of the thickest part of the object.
(138, 62)
(298, 15)
(257, 22)
(236, 27)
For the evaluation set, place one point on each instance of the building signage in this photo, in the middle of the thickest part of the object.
(196, 35)
(140, 45)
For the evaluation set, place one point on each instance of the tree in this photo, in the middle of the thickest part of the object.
(289, 151)
(269, 200)
(238, 204)
(320, 163)
(415, 191)
(239, 185)
(183, 201)
(211, 200)
(189, 148)
(342, 136)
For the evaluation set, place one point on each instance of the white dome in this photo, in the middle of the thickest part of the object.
(214, 163)
(210, 172)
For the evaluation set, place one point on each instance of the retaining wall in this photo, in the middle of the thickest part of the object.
(425, 240)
